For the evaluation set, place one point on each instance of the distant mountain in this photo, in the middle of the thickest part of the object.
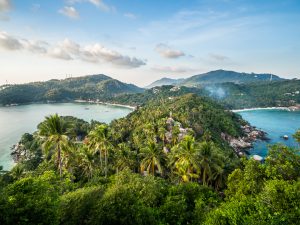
(217, 76)
(164, 81)
(223, 76)
(99, 87)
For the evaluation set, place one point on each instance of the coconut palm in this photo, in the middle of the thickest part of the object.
(211, 162)
(86, 162)
(184, 159)
(125, 158)
(152, 158)
(98, 142)
(53, 132)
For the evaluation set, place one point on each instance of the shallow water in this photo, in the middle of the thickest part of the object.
(276, 123)
(17, 120)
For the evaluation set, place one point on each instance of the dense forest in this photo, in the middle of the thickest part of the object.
(88, 87)
(105, 89)
(217, 76)
(224, 76)
(165, 163)
(232, 96)
(263, 94)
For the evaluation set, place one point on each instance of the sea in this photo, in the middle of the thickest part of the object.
(277, 123)
(17, 120)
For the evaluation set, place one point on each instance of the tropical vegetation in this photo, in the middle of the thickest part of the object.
(165, 163)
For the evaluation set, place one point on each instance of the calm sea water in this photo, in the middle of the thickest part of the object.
(276, 123)
(17, 120)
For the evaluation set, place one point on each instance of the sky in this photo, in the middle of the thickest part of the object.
(139, 41)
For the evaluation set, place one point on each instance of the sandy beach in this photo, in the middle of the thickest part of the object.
(105, 103)
(266, 108)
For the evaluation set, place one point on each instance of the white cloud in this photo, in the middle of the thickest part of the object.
(59, 53)
(167, 52)
(70, 46)
(70, 12)
(98, 3)
(9, 43)
(97, 52)
(39, 47)
(5, 5)
(172, 69)
(69, 50)
(130, 16)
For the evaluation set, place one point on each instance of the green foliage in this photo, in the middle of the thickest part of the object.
(89, 87)
(76, 207)
(31, 200)
(102, 177)
(262, 193)
(283, 163)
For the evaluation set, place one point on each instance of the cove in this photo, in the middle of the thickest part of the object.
(276, 123)
(17, 120)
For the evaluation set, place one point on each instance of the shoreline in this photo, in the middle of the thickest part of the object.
(261, 108)
(74, 101)
(105, 103)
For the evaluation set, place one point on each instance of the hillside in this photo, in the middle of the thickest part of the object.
(223, 76)
(233, 96)
(165, 163)
(217, 76)
(95, 86)
(271, 94)
(164, 81)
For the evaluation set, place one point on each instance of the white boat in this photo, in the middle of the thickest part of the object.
(258, 158)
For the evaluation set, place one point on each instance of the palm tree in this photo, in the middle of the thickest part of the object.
(184, 160)
(211, 162)
(125, 158)
(53, 131)
(86, 162)
(98, 141)
(153, 158)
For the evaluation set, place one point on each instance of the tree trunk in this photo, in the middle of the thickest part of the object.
(100, 155)
(59, 161)
(105, 155)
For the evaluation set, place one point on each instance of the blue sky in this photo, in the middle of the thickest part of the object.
(139, 41)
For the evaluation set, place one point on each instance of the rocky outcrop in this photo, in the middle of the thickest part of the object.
(294, 108)
(240, 144)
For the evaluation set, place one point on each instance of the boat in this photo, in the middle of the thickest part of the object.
(285, 137)
(258, 158)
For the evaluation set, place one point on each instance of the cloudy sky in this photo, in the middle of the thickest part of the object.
(139, 41)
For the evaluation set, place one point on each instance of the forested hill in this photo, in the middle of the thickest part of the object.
(94, 86)
(233, 96)
(261, 94)
(223, 76)
(165, 163)
(218, 76)
(165, 81)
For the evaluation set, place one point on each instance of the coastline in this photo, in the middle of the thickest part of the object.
(105, 103)
(74, 101)
(262, 108)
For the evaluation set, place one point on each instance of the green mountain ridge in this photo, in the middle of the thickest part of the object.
(218, 76)
(165, 81)
(87, 87)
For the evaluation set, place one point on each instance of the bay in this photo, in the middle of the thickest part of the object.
(276, 123)
(17, 120)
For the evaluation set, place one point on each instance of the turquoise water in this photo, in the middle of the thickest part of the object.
(17, 120)
(276, 123)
